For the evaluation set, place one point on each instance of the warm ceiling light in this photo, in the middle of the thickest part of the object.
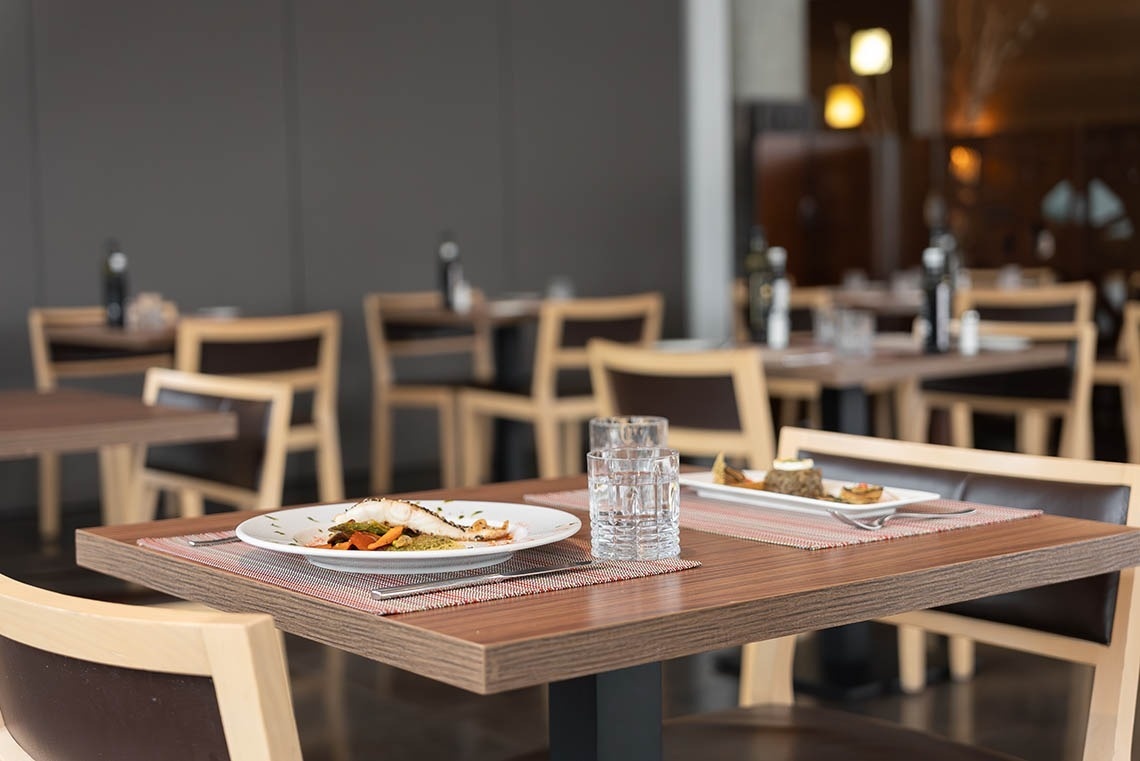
(871, 52)
(843, 107)
(965, 164)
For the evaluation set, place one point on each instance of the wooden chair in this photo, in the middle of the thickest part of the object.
(247, 472)
(390, 339)
(52, 362)
(301, 350)
(1123, 371)
(715, 400)
(555, 404)
(84, 679)
(1059, 313)
(1053, 621)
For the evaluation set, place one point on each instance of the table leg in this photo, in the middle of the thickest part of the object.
(845, 410)
(615, 716)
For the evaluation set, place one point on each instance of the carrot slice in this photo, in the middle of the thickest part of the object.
(361, 539)
(390, 536)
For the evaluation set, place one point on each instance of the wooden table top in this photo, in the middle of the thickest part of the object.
(496, 311)
(142, 340)
(743, 591)
(896, 362)
(77, 420)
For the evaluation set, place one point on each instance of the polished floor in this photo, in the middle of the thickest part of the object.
(350, 709)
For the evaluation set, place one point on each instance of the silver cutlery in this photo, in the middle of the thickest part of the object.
(403, 590)
(877, 522)
(211, 542)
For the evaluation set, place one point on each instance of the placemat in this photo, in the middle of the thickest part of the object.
(807, 531)
(354, 589)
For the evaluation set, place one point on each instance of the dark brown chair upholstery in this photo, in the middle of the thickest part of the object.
(84, 679)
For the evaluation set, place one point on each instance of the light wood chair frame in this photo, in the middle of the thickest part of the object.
(1032, 415)
(241, 653)
(753, 443)
(192, 491)
(1123, 371)
(1031, 277)
(48, 374)
(556, 420)
(388, 394)
(322, 434)
(767, 666)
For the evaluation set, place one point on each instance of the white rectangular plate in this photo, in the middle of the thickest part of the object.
(892, 499)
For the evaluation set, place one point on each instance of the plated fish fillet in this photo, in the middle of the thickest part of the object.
(398, 512)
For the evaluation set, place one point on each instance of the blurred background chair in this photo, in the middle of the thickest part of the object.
(54, 361)
(559, 399)
(300, 350)
(390, 339)
(1123, 371)
(715, 400)
(1058, 313)
(1089, 621)
(247, 472)
(83, 679)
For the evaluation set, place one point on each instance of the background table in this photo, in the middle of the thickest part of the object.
(78, 420)
(600, 647)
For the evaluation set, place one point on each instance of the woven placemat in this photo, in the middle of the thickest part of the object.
(354, 589)
(807, 531)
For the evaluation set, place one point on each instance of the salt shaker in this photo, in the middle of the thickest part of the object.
(968, 333)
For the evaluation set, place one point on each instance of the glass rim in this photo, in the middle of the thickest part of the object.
(620, 453)
(628, 419)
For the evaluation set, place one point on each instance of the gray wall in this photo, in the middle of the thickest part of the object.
(291, 155)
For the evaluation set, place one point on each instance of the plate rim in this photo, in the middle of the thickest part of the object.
(777, 501)
(392, 560)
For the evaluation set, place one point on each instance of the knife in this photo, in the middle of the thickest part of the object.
(388, 593)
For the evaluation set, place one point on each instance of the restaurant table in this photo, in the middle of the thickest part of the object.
(77, 420)
(895, 359)
(600, 647)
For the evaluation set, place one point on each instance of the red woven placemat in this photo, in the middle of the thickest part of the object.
(808, 531)
(354, 589)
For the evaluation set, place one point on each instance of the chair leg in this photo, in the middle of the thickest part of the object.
(789, 410)
(49, 506)
(471, 448)
(449, 469)
(883, 425)
(1131, 423)
(330, 470)
(1033, 432)
(573, 459)
(815, 413)
(912, 414)
(961, 657)
(912, 659)
(381, 481)
(191, 504)
(765, 672)
(961, 425)
(546, 447)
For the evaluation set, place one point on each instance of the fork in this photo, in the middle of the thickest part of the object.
(876, 523)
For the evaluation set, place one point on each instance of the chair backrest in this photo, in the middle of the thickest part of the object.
(565, 326)
(1090, 621)
(389, 319)
(716, 400)
(247, 471)
(302, 350)
(1064, 302)
(53, 360)
(83, 679)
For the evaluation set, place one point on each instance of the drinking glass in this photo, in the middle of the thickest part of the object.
(635, 503)
(854, 332)
(628, 431)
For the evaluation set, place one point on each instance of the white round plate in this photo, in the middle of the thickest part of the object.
(292, 530)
